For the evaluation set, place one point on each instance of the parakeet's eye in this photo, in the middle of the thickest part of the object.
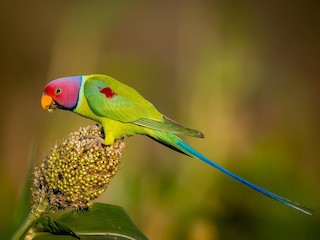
(57, 91)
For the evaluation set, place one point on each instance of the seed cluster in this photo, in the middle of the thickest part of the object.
(76, 171)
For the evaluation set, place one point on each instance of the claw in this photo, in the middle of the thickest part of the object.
(96, 140)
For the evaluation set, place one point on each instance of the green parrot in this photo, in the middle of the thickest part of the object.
(122, 112)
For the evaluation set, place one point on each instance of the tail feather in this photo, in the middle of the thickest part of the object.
(177, 144)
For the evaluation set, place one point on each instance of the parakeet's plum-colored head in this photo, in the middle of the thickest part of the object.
(61, 93)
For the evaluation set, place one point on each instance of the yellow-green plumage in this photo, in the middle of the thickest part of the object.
(125, 114)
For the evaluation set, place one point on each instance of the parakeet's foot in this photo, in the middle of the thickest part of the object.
(96, 140)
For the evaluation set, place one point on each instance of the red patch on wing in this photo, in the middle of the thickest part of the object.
(107, 92)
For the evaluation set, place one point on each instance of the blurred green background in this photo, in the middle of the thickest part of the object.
(246, 73)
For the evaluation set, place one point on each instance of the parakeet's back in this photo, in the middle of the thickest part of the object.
(116, 101)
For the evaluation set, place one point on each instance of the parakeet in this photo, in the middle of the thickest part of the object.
(122, 112)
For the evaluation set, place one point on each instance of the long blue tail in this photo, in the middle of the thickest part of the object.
(176, 143)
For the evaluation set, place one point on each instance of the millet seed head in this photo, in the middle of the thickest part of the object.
(71, 176)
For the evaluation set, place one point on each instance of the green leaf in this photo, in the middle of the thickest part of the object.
(46, 224)
(101, 221)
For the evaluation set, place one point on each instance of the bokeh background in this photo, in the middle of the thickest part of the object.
(246, 73)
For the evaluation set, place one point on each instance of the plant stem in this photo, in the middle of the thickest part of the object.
(31, 219)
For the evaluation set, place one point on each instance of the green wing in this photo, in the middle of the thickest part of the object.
(167, 125)
(128, 106)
